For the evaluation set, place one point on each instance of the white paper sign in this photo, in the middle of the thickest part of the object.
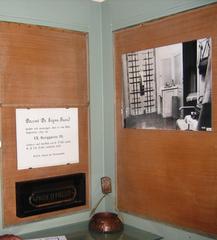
(46, 137)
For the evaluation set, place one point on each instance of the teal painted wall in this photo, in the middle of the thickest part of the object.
(81, 15)
(126, 12)
(118, 14)
(99, 20)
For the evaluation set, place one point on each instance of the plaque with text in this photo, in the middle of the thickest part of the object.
(46, 137)
(50, 194)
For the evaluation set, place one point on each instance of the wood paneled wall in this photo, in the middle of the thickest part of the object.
(170, 176)
(41, 67)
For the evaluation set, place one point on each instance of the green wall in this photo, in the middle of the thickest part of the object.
(99, 20)
(81, 15)
(117, 14)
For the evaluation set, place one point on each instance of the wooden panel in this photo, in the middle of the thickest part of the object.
(170, 176)
(11, 175)
(41, 65)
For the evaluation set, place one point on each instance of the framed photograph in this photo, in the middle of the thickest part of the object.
(168, 87)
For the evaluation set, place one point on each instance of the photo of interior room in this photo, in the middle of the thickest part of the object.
(166, 87)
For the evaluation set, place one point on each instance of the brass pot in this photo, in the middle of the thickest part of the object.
(105, 222)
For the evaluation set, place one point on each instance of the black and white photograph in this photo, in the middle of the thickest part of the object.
(168, 87)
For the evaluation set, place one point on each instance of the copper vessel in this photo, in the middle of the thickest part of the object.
(105, 222)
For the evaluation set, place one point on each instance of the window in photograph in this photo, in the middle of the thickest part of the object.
(169, 87)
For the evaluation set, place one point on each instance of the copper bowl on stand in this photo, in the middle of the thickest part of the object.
(105, 222)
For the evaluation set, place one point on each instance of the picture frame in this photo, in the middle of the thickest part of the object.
(168, 87)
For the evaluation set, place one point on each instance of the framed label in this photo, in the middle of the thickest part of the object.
(46, 137)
